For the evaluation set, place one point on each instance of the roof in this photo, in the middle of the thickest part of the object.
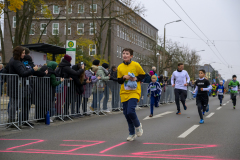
(46, 48)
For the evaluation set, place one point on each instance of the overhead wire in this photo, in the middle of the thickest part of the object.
(201, 31)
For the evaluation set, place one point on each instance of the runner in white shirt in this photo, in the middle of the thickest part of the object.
(180, 80)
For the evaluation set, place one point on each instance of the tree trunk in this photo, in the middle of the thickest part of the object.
(2, 44)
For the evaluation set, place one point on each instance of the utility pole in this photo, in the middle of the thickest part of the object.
(164, 40)
(67, 5)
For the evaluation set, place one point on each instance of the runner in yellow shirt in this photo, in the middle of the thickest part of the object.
(128, 93)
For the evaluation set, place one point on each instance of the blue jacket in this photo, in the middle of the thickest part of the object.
(220, 89)
(154, 88)
(147, 79)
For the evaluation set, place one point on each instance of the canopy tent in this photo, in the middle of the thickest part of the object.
(46, 48)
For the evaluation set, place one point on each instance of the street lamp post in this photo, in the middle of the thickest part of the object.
(67, 6)
(164, 39)
(158, 63)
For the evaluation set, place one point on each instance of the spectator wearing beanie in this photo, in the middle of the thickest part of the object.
(66, 71)
(103, 73)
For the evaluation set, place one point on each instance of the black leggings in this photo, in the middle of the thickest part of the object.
(179, 93)
(234, 99)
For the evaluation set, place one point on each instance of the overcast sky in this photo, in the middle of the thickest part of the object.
(219, 20)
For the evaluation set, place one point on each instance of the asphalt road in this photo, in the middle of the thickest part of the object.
(104, 137)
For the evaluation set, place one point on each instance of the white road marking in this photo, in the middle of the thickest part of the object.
(224, 104)
(219, 108)
(210, 115)
(187, 132)
(158, 115)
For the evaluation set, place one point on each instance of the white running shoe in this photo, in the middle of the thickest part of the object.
(131, 137)
(139, 130)
(106, 111)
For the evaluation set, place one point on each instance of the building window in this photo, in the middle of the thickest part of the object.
(92, 28)
(69, 29)
(55, 9)
(92, 49)
(118, 30)
(117, 50)
(44, 9)
(122, 33)
(125, 34)
(80, 8)
(32, 30)
(14, 21)
(120, 52)
(117, 10)
(70, 9)
(43, 28)
(55, 28)
(93, 8)
(80, 28)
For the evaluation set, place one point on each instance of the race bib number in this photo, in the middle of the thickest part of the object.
(153, 88)
(220, 90)
(235, 88)
(127, 87)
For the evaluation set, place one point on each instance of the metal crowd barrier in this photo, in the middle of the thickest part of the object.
(24, 100)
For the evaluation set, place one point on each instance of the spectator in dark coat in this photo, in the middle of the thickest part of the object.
(67, 72)
(147, 78)
(16, 67)
(82, 81)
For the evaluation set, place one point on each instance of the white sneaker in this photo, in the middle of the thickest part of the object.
(106, 111)
(139, 130)
(131, 137)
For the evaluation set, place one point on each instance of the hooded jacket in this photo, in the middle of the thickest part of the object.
(51, 73)
(103, 73)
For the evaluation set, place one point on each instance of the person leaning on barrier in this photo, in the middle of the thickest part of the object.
(99, 88)
(54, 83)
(17, 67)
(80, 82)
(66, 71)
(91, 75)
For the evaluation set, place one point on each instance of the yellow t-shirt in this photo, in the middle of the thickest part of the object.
(123, 70)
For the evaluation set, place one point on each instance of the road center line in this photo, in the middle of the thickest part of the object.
(210, 115)
(187, 132)
(158, 115)
(219, 108)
